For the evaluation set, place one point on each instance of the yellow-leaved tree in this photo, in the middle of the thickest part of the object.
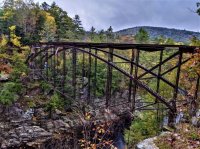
(12, 67)
(12, 54)
(49, 28)
(14, 39)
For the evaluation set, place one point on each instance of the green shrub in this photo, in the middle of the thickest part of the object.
(18, 70)
(45, 86)
(9, 92)
(55, 103)
(142, 127)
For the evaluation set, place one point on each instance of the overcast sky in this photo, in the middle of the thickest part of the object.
(122, 14)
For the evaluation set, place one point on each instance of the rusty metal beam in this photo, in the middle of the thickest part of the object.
(109, 77)
(121, 46)
(147, 70)
(140, 84)
(74, 58)
(158, 65)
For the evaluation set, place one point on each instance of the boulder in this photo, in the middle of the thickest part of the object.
(68, 121)
(39, 113)
(147, 144)
(60, 124)
(49, 125)
(196, 119)
(28, 114)
(24, 134)
(125, 94)
(35, 91)
(14, 112)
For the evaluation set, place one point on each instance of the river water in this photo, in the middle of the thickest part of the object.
(119, 141)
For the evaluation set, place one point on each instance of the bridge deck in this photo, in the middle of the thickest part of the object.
(121, 46)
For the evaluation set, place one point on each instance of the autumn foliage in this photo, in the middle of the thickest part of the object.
(5, 68)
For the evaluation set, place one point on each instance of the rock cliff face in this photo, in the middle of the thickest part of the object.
(175, 34)
(32, 128)
(19, 128)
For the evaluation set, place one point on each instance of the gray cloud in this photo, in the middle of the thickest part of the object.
(129, 13)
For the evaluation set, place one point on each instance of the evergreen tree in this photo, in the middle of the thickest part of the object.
(169, 41)
(49, 28)
(78, 29)
(198, 8)
(195, 41)
(45, 6)
(110, 35)
(22, 14)
(160, 40)
(102, 35)
(142, 36)
(92, 33)
(63, 22)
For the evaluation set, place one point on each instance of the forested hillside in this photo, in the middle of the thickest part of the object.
(175, 34)
(35, 22)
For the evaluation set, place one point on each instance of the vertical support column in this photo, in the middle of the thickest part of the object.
(197, 103)
(89, 78)
(64, 72)
(40, 60)
(54, 68)
(158, 86)
(51, 63)
(137, 55)
(197, 88)
(46, 64)
(109, 77)
(131, 73)
(177, 79)
(57, 60)
(83, 70)
(172, 114)
(95, 74)
(159, 72)
(74, 57)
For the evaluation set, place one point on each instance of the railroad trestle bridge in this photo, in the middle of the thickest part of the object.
(96, 72)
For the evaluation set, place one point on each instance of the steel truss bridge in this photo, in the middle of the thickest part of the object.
(75, 70)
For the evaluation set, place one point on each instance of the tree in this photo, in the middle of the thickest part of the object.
(64, 23)
(49, 29)
(102, 35)
(45, 6)
(78, 29)
(22, 14)
(160, 40)
(92, 33)
(198, 8)
(195, 41)
(169, 41)
(6, 16)
(142, 36)
(30, 21)
(110, 35)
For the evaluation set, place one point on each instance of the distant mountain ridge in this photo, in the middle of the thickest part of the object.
(176, 34)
